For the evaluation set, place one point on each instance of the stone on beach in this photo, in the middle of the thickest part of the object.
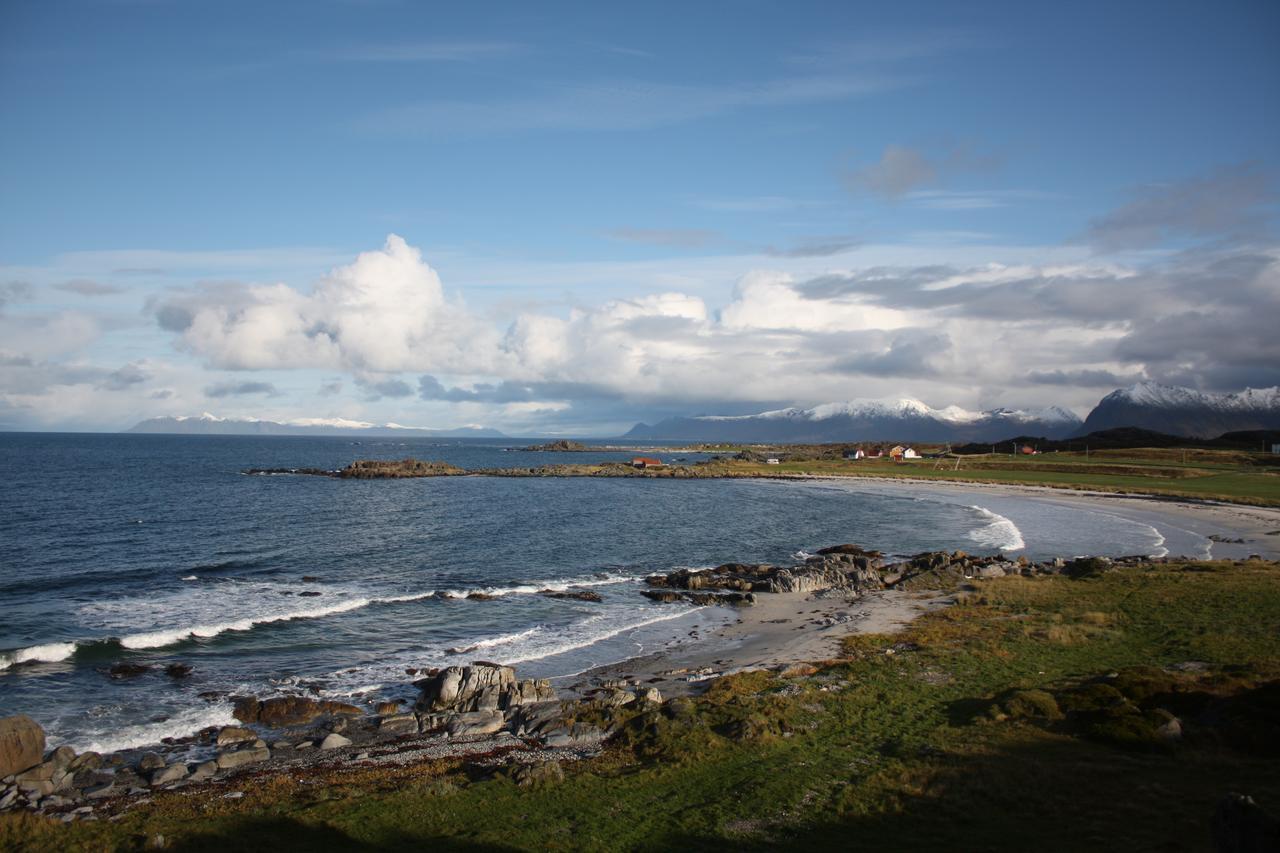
(474, 723)
(21, 744)
(241, 757)
(172, 773)
(398, 724)
(231, 735)
(480, 687)
(333, 740)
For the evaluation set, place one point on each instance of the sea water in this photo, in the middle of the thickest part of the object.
(159, 549)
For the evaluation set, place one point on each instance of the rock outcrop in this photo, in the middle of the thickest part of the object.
(843, 567)
(290, 710)
(480, 687)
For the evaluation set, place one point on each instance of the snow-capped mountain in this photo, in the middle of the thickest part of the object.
(209, 424)
(858, 420)
(1174, 410)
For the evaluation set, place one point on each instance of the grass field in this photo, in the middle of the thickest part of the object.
(1023, 717)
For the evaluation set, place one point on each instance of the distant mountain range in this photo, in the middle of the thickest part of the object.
(1162, 408)
(1183, 411)
(858, 420)
(207, 424)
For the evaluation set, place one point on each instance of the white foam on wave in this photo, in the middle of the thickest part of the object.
(555, 585)
(182, 614)
(998, 532)
(167, 637)
(580, 636)
(521, 647)
(181, 724)
(44, 653)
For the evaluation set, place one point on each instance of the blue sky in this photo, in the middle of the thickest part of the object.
(615, 214)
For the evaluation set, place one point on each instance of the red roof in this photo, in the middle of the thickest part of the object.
(646, 461)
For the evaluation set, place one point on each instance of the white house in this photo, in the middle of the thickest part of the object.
(771, 461)
(910, 453)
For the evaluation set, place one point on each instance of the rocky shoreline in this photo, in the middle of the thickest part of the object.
(476, 713)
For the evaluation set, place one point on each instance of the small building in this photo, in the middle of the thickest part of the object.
(895, 452)
(646, 462)
(1027, 450)
(771, 461)
(856, 453)
(878, 453)
(1275, 449)
(910, 453)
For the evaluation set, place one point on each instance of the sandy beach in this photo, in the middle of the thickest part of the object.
(788, 628)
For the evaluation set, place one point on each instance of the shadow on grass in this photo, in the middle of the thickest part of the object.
(282, 834)
(1026, 789)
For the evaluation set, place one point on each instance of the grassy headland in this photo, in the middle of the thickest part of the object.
(1035, 711)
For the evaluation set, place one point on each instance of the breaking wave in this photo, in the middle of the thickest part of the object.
(998, 532)
(45, 653)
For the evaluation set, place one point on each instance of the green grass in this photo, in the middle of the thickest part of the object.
(901, 750)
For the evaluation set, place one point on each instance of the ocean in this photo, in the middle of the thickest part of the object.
(156, 550)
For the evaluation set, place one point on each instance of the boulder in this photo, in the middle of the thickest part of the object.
(127, 670)
(648, 695)
(575, 595)
(333, 740)
(204, 770)
(479, 687)
(474, 723)
(398, 724)
(231, 735)
(150, 761)
(101, 789)
(62, 756)
(540, 773)
(21, 744)
(662, 596)
(177, 670)
(290, 710)
(535, 718)
(241, 757)
(36, 780)
(578, 735)
(172, 773)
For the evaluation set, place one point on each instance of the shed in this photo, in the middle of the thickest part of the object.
(646, 462)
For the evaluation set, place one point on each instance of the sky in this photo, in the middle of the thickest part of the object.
(566, 218)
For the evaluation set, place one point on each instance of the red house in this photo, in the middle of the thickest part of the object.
(646, 462)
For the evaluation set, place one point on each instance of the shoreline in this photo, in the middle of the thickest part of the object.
(783, 632)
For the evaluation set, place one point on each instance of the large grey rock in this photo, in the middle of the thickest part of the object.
(480, 687)
(241, 757)
(150, 761)
(578, 735)
(21, 744)
(333, 740)
(474, 723)
(62, 756)
(172, 773)
(398, 724)
(231, 735)
(101, 790)
(536, 718)
(203, 770)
